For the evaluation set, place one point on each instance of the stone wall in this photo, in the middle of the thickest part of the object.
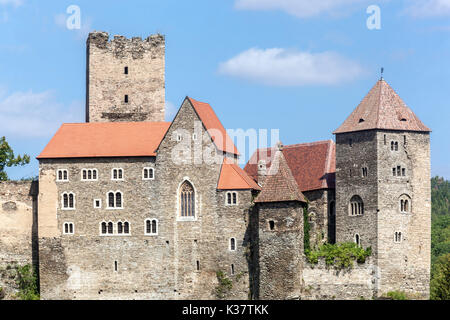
(18, 230)
(107, 83)
(327, 283)
(319, 204)
(280, 257)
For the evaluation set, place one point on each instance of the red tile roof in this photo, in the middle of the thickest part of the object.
(215, 128)
(313, 165)
(232, 177)
(107, 139)
(382, 108)
(279, 184)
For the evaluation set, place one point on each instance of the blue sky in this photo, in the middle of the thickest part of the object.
(295, 65)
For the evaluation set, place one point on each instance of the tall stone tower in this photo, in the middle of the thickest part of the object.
(125, 78)
(383, 190)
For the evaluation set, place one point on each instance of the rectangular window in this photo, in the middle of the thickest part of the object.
(126, 70)
(62, 175)
(126, 98)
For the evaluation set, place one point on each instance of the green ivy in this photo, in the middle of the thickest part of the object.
(339, 255)
(27, 281)
(397, 295)
(306, 229)
(224, 286)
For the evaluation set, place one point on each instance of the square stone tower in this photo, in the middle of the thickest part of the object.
(383, 189)
(125, 78)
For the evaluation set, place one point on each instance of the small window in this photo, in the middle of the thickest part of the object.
(403, 172)
(62, 175)
(198, 265)
(397, 237)
(110, 228)
(356, 206)
(116, 266)
(232, 269)
(179, 137)
(358, 240)
(125, 70)
(194, 137)
(119, 227)
(232, 244)
(117, 174)
(365, 172)
(405, 204)
(97, 204)
(151, 227)
(148, 174)
(104, 228)
(272, 225)
(68, 228)
(126, 98)
(385, 140)
(126, 228)
(231, 198)
(396, 146)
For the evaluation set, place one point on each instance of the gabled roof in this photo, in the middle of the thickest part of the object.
(105, 139)
(213, 125)
(280, 185)
(382, 108)
(232, 177)
(313, 165)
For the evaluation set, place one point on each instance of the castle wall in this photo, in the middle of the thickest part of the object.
(318, 211)
(354, 151)
(280, 257)
(107, 83)
(324, 283)
(18, 230)
(404, 265)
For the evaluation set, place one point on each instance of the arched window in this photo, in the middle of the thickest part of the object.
(187, 200)
(405, 204)
(115, 200)
(117, 174)
(148, 174)
(104, 228)
(62, 175)
(110, 228)
(151, 227)
(119, 227)
(68, 201)
(356, 206)
(231, 198)
(357, 240)
(68, 228)
(397, 237)
(126, 228)
(232, 244)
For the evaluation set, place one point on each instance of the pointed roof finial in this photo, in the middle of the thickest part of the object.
(280, 146)
(382, 71)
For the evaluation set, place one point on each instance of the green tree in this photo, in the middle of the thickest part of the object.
(8, 159)
(440, 285)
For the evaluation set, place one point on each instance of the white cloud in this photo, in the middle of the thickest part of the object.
(282, 67)
(14, 3)
(34, 115)
(428, 8)
(298, 8)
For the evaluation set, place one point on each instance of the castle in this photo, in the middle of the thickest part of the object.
(128, 206)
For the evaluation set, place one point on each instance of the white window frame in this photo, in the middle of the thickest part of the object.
(148, 168)
(145, 227)
(226, 198)
(107, 200)
(196, 204)
(106, 234)
(235, 245)
(118, 179)
(95, 201)
(92, 172)
(358, 243)
(123, 234)
(57, 175)
(73, 228)
(74, 201)
(194, 137)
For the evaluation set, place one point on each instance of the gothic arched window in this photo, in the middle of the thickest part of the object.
(187, 200)
(356, 207)
(405, 204)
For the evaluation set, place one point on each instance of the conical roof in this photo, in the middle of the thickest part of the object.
(382, 108)
(280, 184)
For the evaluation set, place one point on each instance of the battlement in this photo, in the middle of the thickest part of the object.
(122, 46)
(125, 78)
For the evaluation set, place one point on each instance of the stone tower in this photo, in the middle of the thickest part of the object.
(125, 78)
(383, 191)
(280, 233)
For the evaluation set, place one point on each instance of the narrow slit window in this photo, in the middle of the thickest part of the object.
(126, 70)
(126, 98)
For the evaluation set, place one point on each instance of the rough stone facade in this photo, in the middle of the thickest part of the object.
(320, 208)
(125, 67)
(402, 264)
(18, 230)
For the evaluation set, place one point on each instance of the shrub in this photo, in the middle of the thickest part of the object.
(27, 281)
(224, 286)
(339, 255)
(397, 295)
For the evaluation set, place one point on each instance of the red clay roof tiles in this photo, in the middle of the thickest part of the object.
(382, 108)
(313, 165)
(232, 177)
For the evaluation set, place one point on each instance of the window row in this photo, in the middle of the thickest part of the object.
(119, 228)
(117, 174)
(356, 205)
(114, 201)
